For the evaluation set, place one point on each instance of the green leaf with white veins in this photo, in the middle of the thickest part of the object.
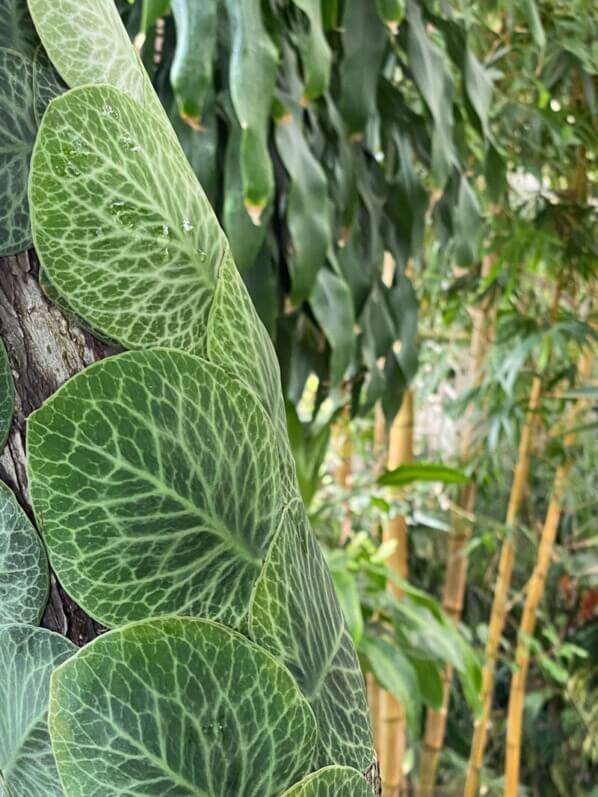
(17, 31)
(177, 707)
(17, 135)
(24, 576)
(295, 614)
(120, 223)
(155, 480)
(87, 43)
(27, 657)
(332, 781)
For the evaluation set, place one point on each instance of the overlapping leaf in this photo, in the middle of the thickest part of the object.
(120, 223)
(17, 135)
(6, 395)
(332, 304)
(316, 52)
(332, 781)
(27, 657)
(23, 565)
(17, 31)
(178, 706)
(87, 43)
(295, 614)
(155, 480)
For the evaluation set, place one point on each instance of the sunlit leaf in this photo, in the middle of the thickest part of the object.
(155, 480)
(24, 576)
(27, 657)
(332, 781)
(421, 472)
(178, 706)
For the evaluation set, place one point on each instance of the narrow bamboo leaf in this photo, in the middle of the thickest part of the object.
(478, 86)
(192, 66)
(7, 395)
(17, 135)
(151, 11)
(467, 223)
(17, 31)
(433, 79)
(121, 225)
(308, 214)
(364, 42)
(87, 43)
(333, 781)
(27, 657)
(177, 706)
(252, 77)
(530, 9)
(421, 472)
(155, 480)
(295, 614)
(47, 83)
(391, 12)
(332, 304)
(395, 673)
(239, 343)
(315, 50)
(24, 576)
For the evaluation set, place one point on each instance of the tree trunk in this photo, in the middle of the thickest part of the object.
(392, 732)
(44, 349)
(534, 595)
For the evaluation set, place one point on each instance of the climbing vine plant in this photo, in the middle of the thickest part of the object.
(161, 478)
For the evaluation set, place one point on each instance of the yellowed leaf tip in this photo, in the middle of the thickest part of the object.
(193, 122)
(255, 213)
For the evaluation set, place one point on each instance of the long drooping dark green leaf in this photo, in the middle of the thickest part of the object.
(315, 50)
(252, 77)
(24, 576)
(332, 304)
(120, 223)
(156, 482)
(178, 706)
(27, 657)
(192, 66)
(294, 614)
(333, 781)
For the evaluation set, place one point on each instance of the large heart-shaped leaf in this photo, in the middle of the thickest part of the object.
(87, 43)
(295, 614)
(7, 395)
(332, 781)
(23, 564)
(179, 707)
(121, 225)
(155, 480)
(27, 657)
(17, 134)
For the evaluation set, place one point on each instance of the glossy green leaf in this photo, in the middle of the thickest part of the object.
(295, 614)
(395, 673)
(177, 706)
(332, 304)
(155, 480)
(151, 11)
(421, 472)
(364, 42)
(315, 50)
(252, 77)
(192, 66)
(391, 12)
(7, 395)
(429, 680)
(120, 223)
(24, 578)
(27, 657)
(333, 781)
(17, 31)
(17, 135)
(87, 43)
(308, 214)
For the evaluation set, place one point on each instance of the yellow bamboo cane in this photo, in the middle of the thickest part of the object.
(503, 581)
(534, 595)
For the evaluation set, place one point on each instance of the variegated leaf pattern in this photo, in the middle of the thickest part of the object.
(24, 576)
(17, 135)
(154, 477)
(295, 614)
(87, 43)
(332, 781)
(143, 271)
(47, 83)
(239, 343)
(17, 31)
(28, 656)
(178, 707)
(7, 396)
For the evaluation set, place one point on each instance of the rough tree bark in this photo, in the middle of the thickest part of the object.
(44, 348)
